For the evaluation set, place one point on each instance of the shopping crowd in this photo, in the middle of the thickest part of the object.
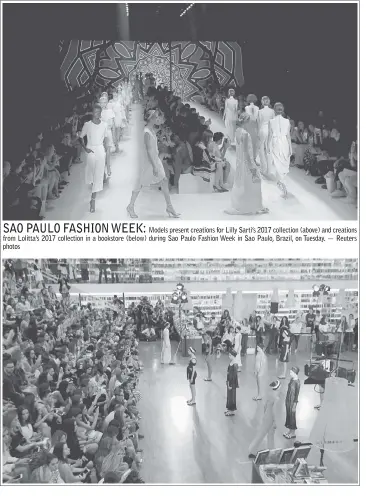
(70, 388)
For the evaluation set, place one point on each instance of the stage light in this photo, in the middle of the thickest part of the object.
(186, 10)
(127, 10)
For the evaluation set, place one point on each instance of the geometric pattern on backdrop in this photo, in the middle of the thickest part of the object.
(193, 63)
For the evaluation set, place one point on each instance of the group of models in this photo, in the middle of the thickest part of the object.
(263, 151)
(261, 137)
(104, 133)
(268, 392)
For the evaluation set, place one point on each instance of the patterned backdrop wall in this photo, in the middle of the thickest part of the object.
(193, 64)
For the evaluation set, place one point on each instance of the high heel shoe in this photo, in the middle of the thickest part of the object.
(171, 212)
(92, 205)
(131, 212)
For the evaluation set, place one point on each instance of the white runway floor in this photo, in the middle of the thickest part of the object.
(308, 201)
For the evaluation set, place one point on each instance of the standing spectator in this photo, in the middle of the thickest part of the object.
(103, 264)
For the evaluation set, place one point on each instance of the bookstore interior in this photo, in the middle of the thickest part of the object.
(180, 371)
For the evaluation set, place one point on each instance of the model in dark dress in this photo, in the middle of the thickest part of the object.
(232, 384)
(292, 398)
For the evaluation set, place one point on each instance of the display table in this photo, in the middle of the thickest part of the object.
(195, 342)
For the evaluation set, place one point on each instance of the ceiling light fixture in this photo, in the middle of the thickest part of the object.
(127, 10)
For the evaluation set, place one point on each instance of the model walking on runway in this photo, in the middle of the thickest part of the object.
(279, 146)
(231, 115)
(151, 172)
(246, 194)
(265, 114)
(166, 350)
(96, 132)
(232, 384)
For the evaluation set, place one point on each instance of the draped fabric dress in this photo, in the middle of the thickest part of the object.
(95, 162)
(145, 174)
(233, 383)
(292, 397)
(237, 348)
(230, 117)
(166, 350)
(251, 126)
(264, 116)
(246, 194)
(107, 116)
(279, 146)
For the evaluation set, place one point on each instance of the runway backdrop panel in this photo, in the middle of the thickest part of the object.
(193, 64)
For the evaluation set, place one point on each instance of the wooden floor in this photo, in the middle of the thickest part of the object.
(199, 445)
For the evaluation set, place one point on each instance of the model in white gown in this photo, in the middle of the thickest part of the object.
(108, 116)
(231, 115)
(279, 146)
(96, 132)
(252, 124)
(151, 170)
(265, 114)
(246, 194)
(166, 350)
(115, 106)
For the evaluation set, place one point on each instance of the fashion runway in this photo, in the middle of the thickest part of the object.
(307, 201)
(199, 445)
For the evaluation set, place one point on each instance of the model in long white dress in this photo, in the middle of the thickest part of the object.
(166, 350)
(151, 170)
(246, 194)
(96, 133)
(252, 126)
(279, 146)
(108, 117)
(231, 116)
(115, 106)
(264, 116)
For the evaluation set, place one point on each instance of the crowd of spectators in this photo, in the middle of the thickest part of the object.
(70, 387)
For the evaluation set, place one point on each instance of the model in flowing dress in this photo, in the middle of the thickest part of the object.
(108, 116)
(246, 194)
(96, 133)
(292, 399)
(279, 146)
(265, 114)
(166, 350)
(231, 115)
(232, 384)
(151, 170)
(251, 126)
(115, 106)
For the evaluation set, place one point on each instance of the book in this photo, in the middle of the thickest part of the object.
(261, 457)
(286, 455)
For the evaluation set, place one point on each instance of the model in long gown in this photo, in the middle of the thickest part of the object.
(237, 348)
(231, 116)
(166, 350)
(246, 194)
(251, 126)
(292, 398)
(264, 116)
(232, 384)
(279, 145)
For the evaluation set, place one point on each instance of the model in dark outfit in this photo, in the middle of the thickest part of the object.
(232, 384)
(292, 398)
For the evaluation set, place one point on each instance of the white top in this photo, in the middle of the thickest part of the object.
(265, 115)
(107, 116)
(280, 126)
(115, 106)
(95, 133)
